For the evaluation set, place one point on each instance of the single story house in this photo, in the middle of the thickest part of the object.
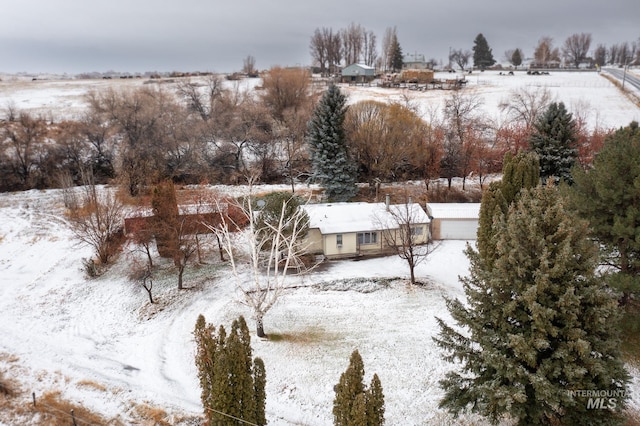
(358, 73)
(338, 230)
(454, 221)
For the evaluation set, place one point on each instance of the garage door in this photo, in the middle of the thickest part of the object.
(458, 229)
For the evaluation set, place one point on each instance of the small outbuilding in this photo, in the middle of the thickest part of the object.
(358, 73)
(454, 221)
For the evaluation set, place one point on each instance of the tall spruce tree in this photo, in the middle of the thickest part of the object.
(553, 139)
(608, 196)
(482, 53)
(538, 325)
(354, 404)
(233, 387)
(332, 166)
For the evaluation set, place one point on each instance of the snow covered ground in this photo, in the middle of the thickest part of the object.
(62, 331)
(67, 330)
(101, 343)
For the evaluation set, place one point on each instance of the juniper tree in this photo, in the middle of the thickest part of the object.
(232, 386)
(375, 402)
(332, 166)
(521, 171)
(354, 404)
(608, 196)
(553, 139)
(537, 325)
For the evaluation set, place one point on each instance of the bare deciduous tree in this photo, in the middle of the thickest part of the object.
(545, 53)
(460, 57)
(525, 105)
(98, 222)
(272, 250)
(249, 65)
(576, 47)
(408, 234)
(463, 128)
(326, 50)
(352, 43)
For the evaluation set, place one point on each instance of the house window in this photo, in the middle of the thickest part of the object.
(367, 238)
(416, 230)
(339, 240)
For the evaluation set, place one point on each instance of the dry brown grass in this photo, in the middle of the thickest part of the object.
(93, 385)
(149, 415)
(53, 410)
(308, 336)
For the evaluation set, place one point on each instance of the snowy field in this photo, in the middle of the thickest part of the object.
(586, 94)
(104, 346)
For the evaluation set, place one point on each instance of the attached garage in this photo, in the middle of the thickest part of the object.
(454, 221)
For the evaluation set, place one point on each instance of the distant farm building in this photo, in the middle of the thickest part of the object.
(358, 73)
(414, 61)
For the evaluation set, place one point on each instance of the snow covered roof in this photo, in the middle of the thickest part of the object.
(454, 210)
(335, 218)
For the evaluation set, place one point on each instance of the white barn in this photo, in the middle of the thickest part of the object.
(454, 221)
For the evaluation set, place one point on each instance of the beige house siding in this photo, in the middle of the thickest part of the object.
(435, 229)
(327, 244)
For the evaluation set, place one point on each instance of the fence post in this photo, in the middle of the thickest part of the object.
(73, 417)
(33, 394)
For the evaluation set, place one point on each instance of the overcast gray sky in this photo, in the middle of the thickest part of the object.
(216, 35)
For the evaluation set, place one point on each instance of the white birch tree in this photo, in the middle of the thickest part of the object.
(272, 248)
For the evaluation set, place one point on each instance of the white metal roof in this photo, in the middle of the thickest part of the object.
(454, 210)
(335, 218)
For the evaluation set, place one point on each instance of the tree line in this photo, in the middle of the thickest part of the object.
(211, 131)
(331, 50)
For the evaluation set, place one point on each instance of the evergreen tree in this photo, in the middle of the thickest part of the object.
(608, 196)
(519, 172)
(354, 405)
(516, 58)
(260, 383)
(553, 139)
(538, 325)
(482, 53)
(164, 205)
(232, 386)
(332, 166)
(375, 403)
(270, 213)
(397, 57)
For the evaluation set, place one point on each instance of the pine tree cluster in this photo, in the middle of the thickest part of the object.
(233, 387)
(354, 404)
